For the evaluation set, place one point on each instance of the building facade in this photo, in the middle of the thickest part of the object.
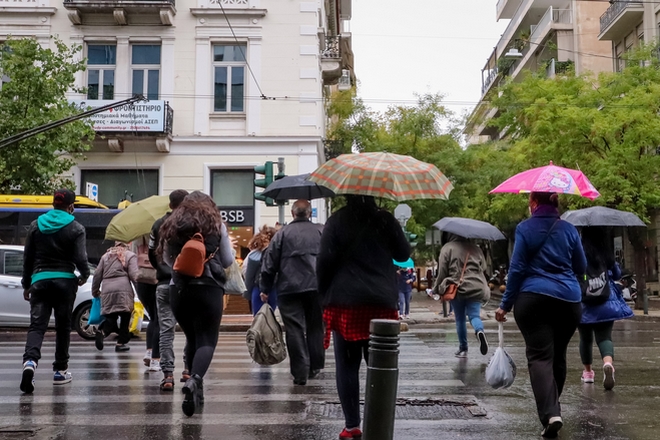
(542, 36)
(230, 84)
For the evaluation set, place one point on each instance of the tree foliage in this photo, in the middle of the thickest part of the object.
(607, 126)
(35, 95)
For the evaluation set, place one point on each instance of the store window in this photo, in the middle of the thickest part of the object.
(232, 187)
(145, 67)
(229, 78)
(118, 185)
(101, 63)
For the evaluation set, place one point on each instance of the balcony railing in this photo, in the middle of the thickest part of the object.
(124, 3)
(330, 49)
(611, 14)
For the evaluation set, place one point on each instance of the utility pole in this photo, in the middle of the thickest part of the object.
(280, 203)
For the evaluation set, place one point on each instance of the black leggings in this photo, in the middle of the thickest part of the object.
(547, 325)
(147, 295)
(198, 310)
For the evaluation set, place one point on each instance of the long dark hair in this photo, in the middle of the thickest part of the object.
(598, 247)
(197, 213)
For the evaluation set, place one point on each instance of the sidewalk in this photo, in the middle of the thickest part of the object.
(426, 311)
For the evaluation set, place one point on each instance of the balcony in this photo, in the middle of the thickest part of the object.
(331, 59)
(41, 7)
(552, 21)
(490, 73)
(121, 12)
(506, 9)
(620, 18)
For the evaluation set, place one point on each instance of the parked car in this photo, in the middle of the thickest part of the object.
(15, 311)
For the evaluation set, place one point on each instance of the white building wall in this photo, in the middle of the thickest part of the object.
(282, 39)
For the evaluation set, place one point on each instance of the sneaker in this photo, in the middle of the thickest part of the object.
(147, 358)
(481, 336)
(553, 427)
(27, 380)
(461, 353)
(122, 347)
(588, 376)
(61, 377)
(313, 374)
(608, 379)
(354, 433)
(154, 365)
(98, 340)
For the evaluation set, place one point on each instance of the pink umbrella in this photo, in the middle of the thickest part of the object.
(549, 178)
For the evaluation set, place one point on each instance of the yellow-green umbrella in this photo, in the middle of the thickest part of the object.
(137, 219)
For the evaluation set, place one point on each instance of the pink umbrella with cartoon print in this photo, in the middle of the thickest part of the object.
(550, 178)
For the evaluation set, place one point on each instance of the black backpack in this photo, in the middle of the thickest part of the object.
(595, 287)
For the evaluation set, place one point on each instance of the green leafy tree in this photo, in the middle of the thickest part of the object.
(35, 95)
(607, 126)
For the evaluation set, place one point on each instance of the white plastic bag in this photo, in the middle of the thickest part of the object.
(501, 370)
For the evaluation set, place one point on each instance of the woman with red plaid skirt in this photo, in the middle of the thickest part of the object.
(357, 279)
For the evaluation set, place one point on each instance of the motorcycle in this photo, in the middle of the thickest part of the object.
(498, 279)
(628, 286)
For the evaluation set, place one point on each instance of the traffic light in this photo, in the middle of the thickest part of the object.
(267, 170)
(412, 238)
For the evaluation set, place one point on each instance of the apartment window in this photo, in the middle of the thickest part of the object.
(117, 185)
(101, 63)
(145, 68)
(229, 78)
(232, 187)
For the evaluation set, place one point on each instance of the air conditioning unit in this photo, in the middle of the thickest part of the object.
(344, 82)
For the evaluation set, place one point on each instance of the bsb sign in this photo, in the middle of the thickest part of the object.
(243, 216)
(142, 116)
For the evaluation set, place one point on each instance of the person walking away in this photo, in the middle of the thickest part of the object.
(166, 321)
(117, 269)
(197, 302)
(258, 245)
(146, 292)
(289, 264)
(54, 249)
(405, 278)
(357, 279)
(598, 320)
(462, 262)
(545, 295)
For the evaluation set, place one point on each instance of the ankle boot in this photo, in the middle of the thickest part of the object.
(192, 391)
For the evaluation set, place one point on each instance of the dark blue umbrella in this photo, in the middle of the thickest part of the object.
(296, 187)
(602, 216)
(469, 228)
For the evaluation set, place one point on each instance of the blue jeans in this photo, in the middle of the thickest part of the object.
(257, 302)
(472, 309)
(404, 303)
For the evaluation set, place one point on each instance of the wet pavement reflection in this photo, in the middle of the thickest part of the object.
(112, 397)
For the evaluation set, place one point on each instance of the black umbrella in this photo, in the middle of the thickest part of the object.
(601, 216)
(296, 187)
(469, 228)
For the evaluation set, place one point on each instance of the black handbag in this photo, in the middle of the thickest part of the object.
(595, 288)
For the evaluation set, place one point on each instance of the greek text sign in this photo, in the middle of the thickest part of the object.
(142, 116)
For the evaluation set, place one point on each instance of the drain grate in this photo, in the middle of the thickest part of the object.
(409, 409)
(16, 434)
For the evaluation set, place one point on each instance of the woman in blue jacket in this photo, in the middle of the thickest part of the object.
(598, 320)
(544, 289)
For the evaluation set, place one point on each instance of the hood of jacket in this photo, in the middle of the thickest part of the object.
(53, 221)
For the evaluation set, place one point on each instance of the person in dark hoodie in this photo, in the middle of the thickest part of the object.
(166, 320)
(54, 249)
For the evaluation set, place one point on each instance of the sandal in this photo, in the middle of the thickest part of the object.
(167, 384)
(185, 375)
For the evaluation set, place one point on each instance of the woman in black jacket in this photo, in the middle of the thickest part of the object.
(357, 279)
(197, 302)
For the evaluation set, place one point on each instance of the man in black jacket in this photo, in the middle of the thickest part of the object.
(291, 256)
(54, 249)
(166, 320)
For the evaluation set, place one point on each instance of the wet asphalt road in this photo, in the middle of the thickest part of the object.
(111, 396)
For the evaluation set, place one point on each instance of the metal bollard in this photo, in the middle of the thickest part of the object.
(382, 380)
(645, 300)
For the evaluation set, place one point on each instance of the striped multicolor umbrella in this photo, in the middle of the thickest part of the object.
(387, 175)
